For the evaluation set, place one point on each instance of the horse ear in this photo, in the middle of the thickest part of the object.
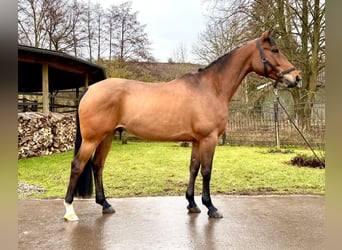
(265, 35)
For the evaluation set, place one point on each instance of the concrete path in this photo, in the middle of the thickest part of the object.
(250, 222)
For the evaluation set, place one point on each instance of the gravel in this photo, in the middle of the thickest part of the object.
(26, 189)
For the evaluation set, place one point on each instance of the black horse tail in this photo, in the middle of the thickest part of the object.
(84, 186)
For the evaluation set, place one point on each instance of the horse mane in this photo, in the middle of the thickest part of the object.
(190, 77)
(222, 60)
(224, 57)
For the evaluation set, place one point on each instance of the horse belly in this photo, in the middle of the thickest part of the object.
(153, 120)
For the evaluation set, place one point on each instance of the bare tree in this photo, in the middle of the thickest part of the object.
(180, 53)
(129, 37)
(49, 24)
(112, 15)
(31, 26)
(83, 29)
(310, 28)
(89, 29)
(215, 41)
(99, 20)
(77, 33)
(58, 25)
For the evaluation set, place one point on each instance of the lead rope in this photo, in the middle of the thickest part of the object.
(275, 91)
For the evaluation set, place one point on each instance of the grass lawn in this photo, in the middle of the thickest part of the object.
(151, 169)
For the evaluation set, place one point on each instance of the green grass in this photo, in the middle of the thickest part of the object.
(151, 169)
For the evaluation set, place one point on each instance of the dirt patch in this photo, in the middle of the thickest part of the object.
(307, 161)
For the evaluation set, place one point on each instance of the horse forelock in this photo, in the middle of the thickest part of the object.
(271, 41)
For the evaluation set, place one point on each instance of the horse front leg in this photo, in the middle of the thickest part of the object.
(207, 150)
(194, 167)
(98, 166)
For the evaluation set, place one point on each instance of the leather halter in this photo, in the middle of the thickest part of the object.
(267, 63)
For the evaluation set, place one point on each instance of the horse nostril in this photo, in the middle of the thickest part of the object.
(298, 79)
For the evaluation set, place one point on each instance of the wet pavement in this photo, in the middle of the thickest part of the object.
(249, 222)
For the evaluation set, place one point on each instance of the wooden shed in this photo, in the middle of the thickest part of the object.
(45, 72)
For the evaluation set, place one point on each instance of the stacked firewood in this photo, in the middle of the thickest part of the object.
(40, 134)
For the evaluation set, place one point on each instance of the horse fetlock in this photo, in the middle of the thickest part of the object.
(106, 207)
(206, 201)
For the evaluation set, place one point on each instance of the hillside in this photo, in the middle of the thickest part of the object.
(148, 71)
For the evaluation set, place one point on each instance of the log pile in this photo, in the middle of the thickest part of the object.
(40, 134)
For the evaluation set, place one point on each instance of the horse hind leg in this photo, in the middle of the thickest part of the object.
(98, 164)
(77, 166)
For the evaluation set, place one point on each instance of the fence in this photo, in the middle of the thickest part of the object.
(257, 126)
(61, 101)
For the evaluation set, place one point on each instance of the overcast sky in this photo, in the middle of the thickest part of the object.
(170, 23)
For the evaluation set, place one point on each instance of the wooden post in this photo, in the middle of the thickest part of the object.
(45, 88)
(86, 83)
(276, 123)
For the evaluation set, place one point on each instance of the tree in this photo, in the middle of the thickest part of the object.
(77, 37)
(309, 26)
(58, 25)
(83, 29)
(89, 28)
(180, 53)
(215, 41)
(31, 26)
(111, 16)
(49, 24)
(99, 20)
(130, 40)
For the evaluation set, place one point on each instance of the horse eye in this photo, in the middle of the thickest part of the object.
(275, 51)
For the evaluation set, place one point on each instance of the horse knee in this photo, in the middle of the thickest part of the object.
(75, 167)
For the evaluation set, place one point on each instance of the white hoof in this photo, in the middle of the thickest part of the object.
(70, 214)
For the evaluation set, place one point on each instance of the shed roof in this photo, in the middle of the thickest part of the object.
(65, 71)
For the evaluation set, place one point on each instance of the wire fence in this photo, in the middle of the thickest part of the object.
(257, 126)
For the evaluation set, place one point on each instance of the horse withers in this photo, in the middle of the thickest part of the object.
(192, 108)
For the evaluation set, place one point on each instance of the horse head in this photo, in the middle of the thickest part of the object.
(270, 62)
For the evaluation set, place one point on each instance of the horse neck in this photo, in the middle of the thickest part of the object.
(228, 74)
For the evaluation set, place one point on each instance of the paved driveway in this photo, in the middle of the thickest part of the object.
(250, 222)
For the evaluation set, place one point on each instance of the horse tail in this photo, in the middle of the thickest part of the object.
(84, 185)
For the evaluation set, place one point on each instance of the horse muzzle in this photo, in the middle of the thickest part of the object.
(292, 83)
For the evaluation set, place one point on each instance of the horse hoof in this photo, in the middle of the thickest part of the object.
(70, 214)
(215, 214)
(71, 217)
(194, 210)
(108, 210)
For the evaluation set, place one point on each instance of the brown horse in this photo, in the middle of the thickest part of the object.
(191, 108)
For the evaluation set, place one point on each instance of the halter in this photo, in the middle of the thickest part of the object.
(267, 63)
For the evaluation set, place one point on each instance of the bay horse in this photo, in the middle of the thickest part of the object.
(191, 108)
